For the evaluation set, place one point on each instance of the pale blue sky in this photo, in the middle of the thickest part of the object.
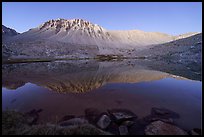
(167, 17)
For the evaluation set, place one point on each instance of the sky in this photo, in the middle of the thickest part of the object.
(168, 17)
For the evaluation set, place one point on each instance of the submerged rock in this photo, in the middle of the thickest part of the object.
(164, 113)
(161, 128)
(104, 121)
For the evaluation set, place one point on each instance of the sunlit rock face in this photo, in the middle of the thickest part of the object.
(85, 27)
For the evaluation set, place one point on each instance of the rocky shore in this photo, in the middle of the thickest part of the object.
(161, 121)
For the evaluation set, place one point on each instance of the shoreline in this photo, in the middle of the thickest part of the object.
(27, 60)
(111, 122)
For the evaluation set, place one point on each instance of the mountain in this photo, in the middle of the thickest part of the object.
(80, 38)
(8, 32)
(180, 50)
(78, 31)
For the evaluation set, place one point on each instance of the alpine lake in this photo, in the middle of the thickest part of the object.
(56, 90)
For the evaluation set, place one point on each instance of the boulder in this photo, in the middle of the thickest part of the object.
(151, 118)
(120, 117)
(123, 130)
(104, 121)
(161, 128)
(73, 121)
(65, 118)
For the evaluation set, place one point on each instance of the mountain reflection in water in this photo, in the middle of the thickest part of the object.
(129, 84)
(76, 76)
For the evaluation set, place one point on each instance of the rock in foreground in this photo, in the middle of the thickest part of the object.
(161, 128)
(104, 121)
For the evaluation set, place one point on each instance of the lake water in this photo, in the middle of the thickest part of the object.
(70, 87)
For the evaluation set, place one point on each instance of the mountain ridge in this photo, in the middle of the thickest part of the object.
(78, 37)
(8, 32)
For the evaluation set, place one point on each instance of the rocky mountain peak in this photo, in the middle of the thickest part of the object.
(73, 24)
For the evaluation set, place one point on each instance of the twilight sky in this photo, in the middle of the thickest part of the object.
(167, 17)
